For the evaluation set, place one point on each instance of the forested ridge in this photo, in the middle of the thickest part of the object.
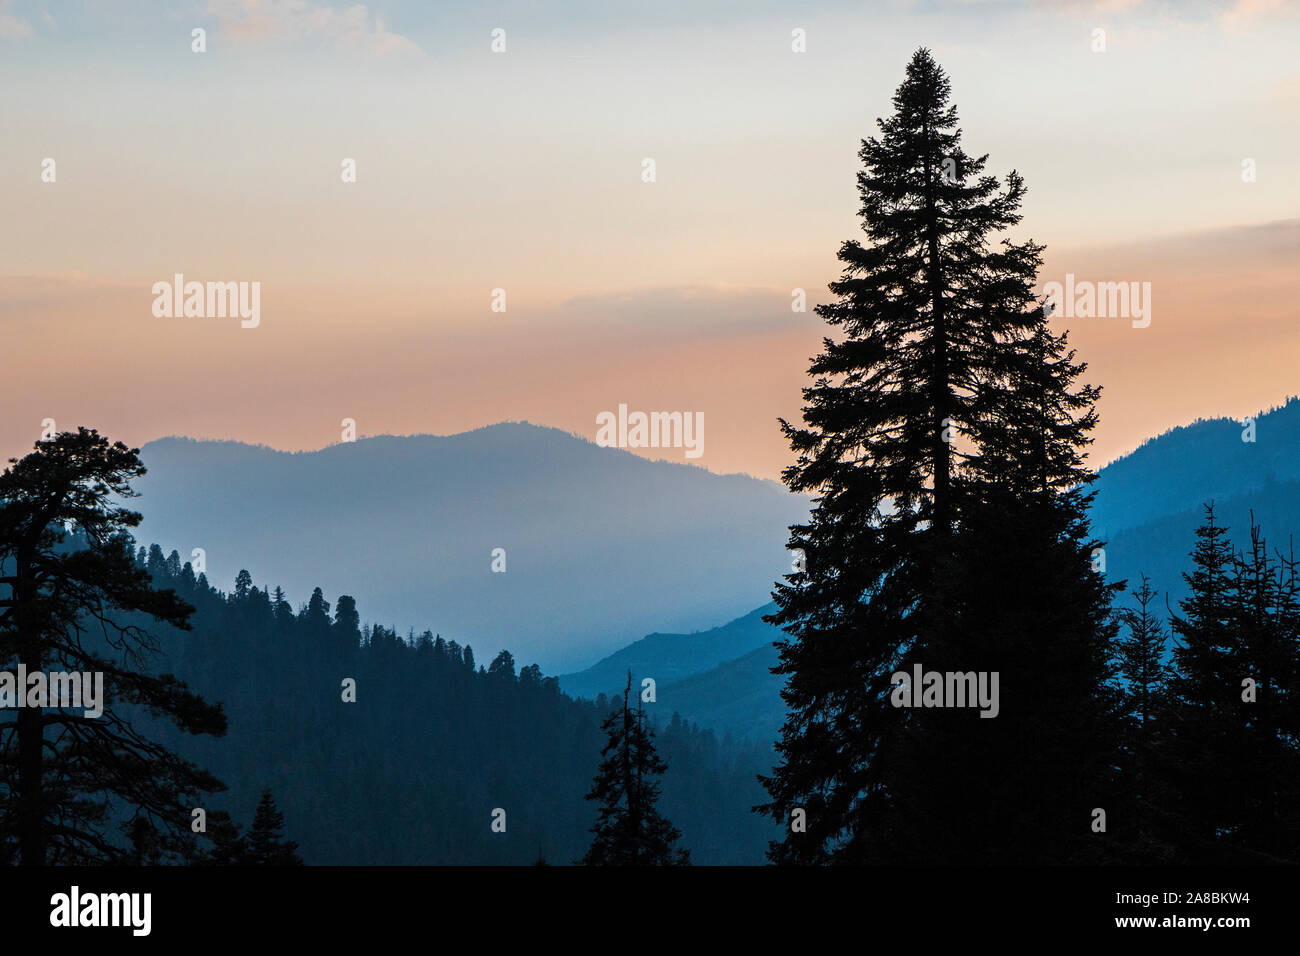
(411, 772)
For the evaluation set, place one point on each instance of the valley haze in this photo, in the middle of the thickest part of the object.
(614, 560)
(601, 545)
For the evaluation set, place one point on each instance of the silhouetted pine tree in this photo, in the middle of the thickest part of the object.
(266, 843)
(1203, 693)
(1261, 670)
(347, 623)
(1151, 833)
(630, 830)
(157, 564)
(943, 446)
(67, 780)
(281, 607)
(227, 845)
(315, 619)
(503, 666)
(188, 582)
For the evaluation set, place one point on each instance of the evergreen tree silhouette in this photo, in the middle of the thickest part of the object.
(67, 780)
(281, 607)
(1235, 736)
(503, 666)
(316, 618)
(266, 843)
(227, 844)
(943, 446)
(347, 622)
(629, 830)
(1201, 738)
(1262, 671)
(188, 581)
(1152, 832)
(157, 564)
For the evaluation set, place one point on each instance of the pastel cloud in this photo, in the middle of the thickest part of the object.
(12, 27)
(353, 27)
(1243, 12)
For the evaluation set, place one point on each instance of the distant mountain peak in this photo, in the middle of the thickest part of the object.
(601, 545)
(1190, 464)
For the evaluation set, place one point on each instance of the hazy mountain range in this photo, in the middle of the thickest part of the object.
(1150, 502)
(603, 546)
(600, 545)
(670, 657)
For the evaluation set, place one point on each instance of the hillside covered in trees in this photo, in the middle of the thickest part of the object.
(411, 772)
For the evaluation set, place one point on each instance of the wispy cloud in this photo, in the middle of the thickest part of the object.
(12, 27)
(1245, 13)
(1231, 14)
(353, 27)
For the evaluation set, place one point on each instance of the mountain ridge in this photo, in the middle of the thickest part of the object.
(600, 545)
(671, 657)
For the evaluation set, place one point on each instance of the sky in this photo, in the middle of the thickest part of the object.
(522, 171)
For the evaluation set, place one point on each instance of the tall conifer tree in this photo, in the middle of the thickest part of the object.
(1151, 832)
(943, 443)
(629, 830)
(1202, 691)
(1263, 671)
(68, 779)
